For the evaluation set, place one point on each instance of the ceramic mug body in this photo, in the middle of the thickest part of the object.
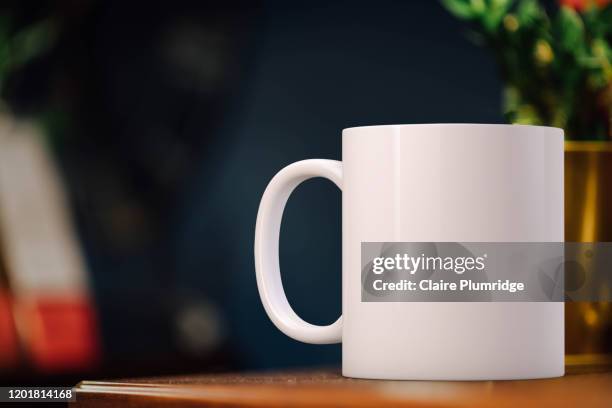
(431, 183)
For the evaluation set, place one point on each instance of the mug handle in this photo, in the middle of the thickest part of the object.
(267, 232)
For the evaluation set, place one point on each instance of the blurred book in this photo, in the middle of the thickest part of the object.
(53, 311)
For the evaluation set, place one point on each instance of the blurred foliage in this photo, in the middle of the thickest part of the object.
(19, 45)
(557, 69)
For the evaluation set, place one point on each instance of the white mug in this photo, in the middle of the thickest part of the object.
(431, 183)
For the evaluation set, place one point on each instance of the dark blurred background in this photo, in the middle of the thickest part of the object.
(167, 120)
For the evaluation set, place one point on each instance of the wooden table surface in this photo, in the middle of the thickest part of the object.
(327, 388)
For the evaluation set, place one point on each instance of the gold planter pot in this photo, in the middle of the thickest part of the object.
(588, 218)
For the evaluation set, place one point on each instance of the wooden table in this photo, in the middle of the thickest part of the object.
(327, 388)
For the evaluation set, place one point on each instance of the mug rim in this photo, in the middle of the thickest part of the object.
(415, 125)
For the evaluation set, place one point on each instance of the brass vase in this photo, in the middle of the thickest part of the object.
(588, 218)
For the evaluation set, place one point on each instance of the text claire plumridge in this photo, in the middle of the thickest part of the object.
(458, 265)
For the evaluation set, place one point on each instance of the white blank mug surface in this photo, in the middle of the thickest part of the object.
(431, 183)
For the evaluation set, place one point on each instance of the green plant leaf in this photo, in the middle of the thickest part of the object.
(571, 29)
(556, 71)
(479, 7)
(529, 12)
(604, 16)
(495, 14)
(526, 114)
(460, 8)
(30, 42)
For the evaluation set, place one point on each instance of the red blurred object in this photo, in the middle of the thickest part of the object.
(60, 333)
(580, 5)
(9, 346)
